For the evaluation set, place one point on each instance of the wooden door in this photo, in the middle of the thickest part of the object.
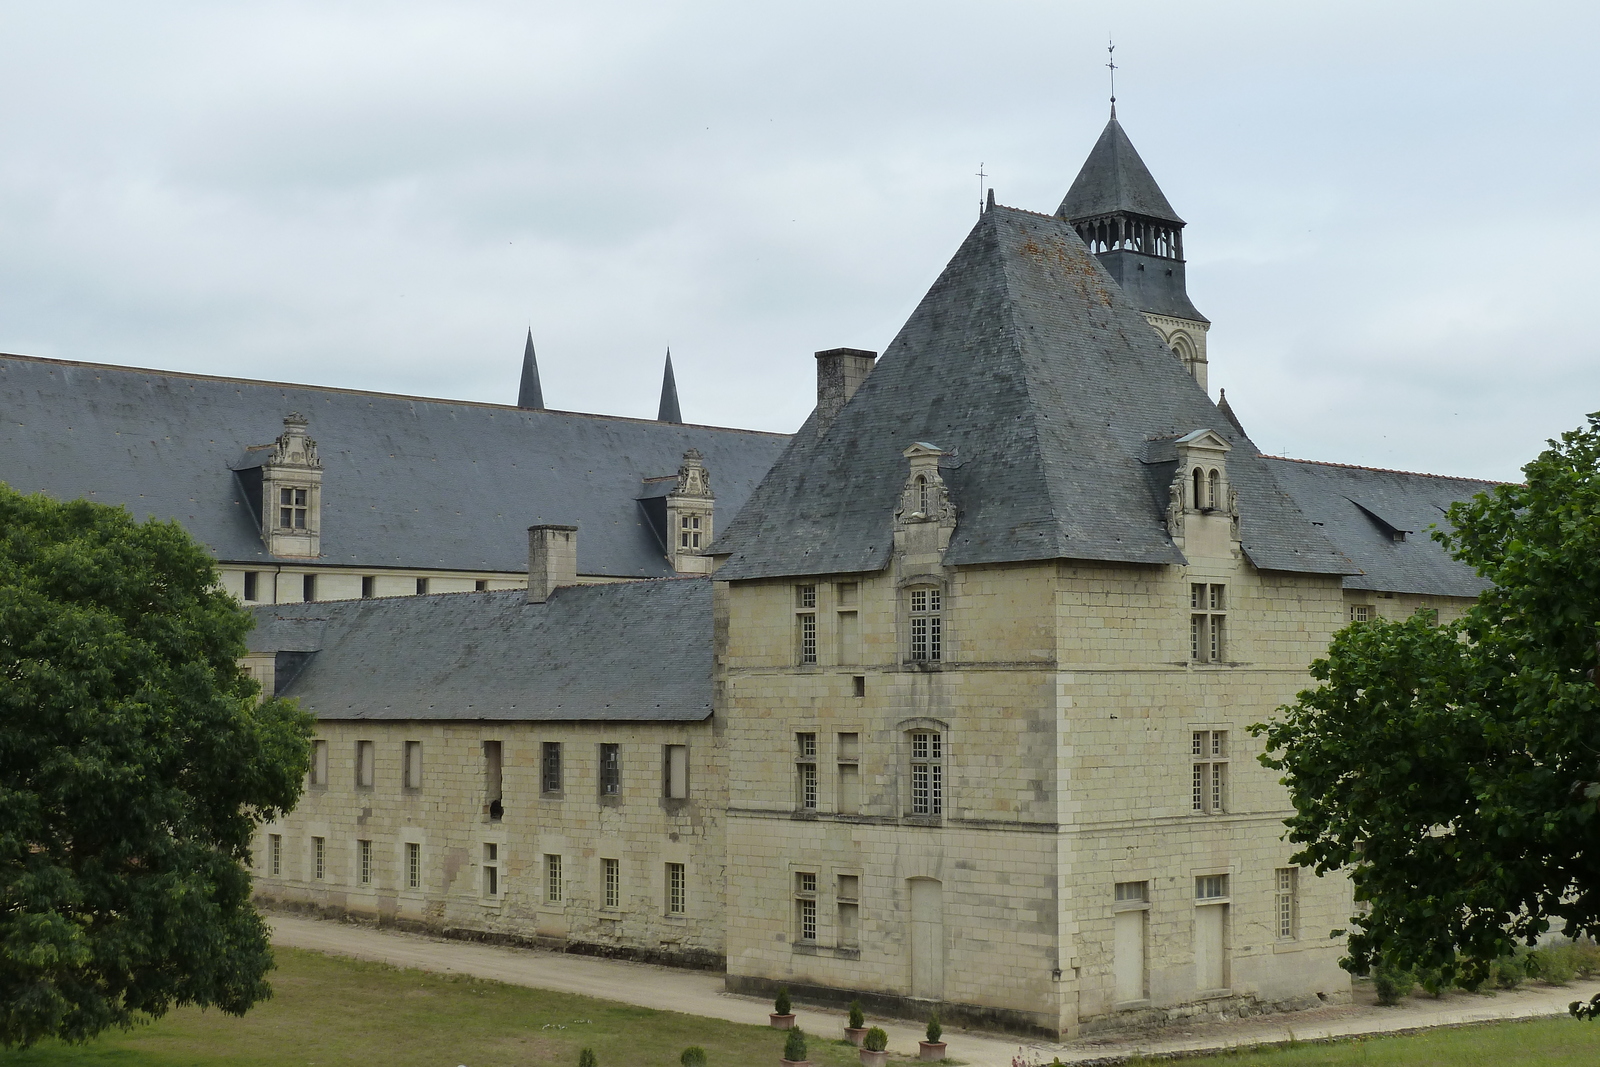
(927, 939)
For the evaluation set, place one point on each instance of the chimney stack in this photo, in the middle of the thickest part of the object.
(840, 372)
(552, 560)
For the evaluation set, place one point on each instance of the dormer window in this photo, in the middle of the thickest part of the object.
(292, 506)
(1213, 489)
(689, 532)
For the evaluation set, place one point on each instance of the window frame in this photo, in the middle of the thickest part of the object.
(677, 898)
(926, 636)
(554, 885)
(1209, 756)
(551, 771)
(411, 766)
(1208, 622)
(611, 883)
(805, 907)
(674, 784)
(931, 762)
(413, 865)
(364, 862)
(1286, 903)
(610, 770)
(808, 786)
(366, 769)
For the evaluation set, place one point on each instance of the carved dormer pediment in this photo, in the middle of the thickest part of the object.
(690, 509)
(925, 497)
(925, 517)
(1202, 507)
(294, 448)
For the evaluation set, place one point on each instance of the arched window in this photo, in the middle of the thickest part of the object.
(1214, 490)
(1199, 489)
(1183, 348)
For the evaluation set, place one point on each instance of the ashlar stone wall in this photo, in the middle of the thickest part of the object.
(447, 819)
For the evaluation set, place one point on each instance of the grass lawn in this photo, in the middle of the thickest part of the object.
(329, 1011)
(1536, 1043)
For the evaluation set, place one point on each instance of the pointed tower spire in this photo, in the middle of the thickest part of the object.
(530, 396)
(1123, 216)
(669, 395)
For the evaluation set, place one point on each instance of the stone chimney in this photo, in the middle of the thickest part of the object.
(840, 372)
(552, 560)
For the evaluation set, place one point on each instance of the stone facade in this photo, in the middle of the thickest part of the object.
(443, 811)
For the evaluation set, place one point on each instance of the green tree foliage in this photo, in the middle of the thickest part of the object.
(1454, 770)
(135, 763)
(794, 1045)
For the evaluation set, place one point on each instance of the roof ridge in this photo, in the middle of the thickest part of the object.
(1382, 470)
(196, 376)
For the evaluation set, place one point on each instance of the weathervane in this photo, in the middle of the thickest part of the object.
(1111, 64)
(981, 176)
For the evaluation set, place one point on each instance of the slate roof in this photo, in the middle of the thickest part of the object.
(407, 481)
(1360, 508)
(1028, 362)
(1115, 179)
(624, 652)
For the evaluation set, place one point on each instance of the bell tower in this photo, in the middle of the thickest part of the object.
(1122, 215)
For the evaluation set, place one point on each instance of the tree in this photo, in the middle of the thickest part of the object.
(135, 763)
(1454, 770)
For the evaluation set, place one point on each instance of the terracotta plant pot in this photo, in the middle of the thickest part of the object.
(930, 1050)
(874, 1059)
(781, 1022)
(855, 1035)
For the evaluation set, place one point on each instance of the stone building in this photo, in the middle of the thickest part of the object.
(953, 712)
(309, 493)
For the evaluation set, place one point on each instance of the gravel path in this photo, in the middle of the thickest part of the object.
(700, 993)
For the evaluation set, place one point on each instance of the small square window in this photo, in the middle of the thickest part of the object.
(1211, 887)
(422, 586)
(805, 596)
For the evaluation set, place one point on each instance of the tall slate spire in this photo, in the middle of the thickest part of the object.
(669, 395)
(1114, 180)
(530, 396)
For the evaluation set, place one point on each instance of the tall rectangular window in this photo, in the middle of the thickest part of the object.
(369, 587)
(806, 771)
(848, 801)
(927, 773)
(927, 627)
(1208, 749)
(275, 854)
(610, 770)
(491, 869)
(413, 865)
(364, 765)
(675, 764)
(412, 756)
(552, 879)
(1285, 903)
(292, 507)
(1207, 622)
(317, 777)
(308, 588)
(364, 861)
(252, 585)
(611, 876)
(806, 622)
(493, 780)
(805, 906)
(848, 895)
(319, 858)
(550, 767)
(677, 889)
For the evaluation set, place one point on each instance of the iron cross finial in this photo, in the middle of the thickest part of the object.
(1111, 64)
(981, 176)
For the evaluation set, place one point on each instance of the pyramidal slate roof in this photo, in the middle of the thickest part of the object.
(407, 481)
(1115, 179)
(625, 652)
(530, 396)
(1362, 509)
(1059, 404)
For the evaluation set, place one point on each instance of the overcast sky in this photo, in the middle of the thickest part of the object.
(1391, 206)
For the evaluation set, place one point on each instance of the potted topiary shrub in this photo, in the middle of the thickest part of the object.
(794, 1049)
(875, 1048)
(933, 1048)
(782, 1018)
(856, 1032)
(693, 1056)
